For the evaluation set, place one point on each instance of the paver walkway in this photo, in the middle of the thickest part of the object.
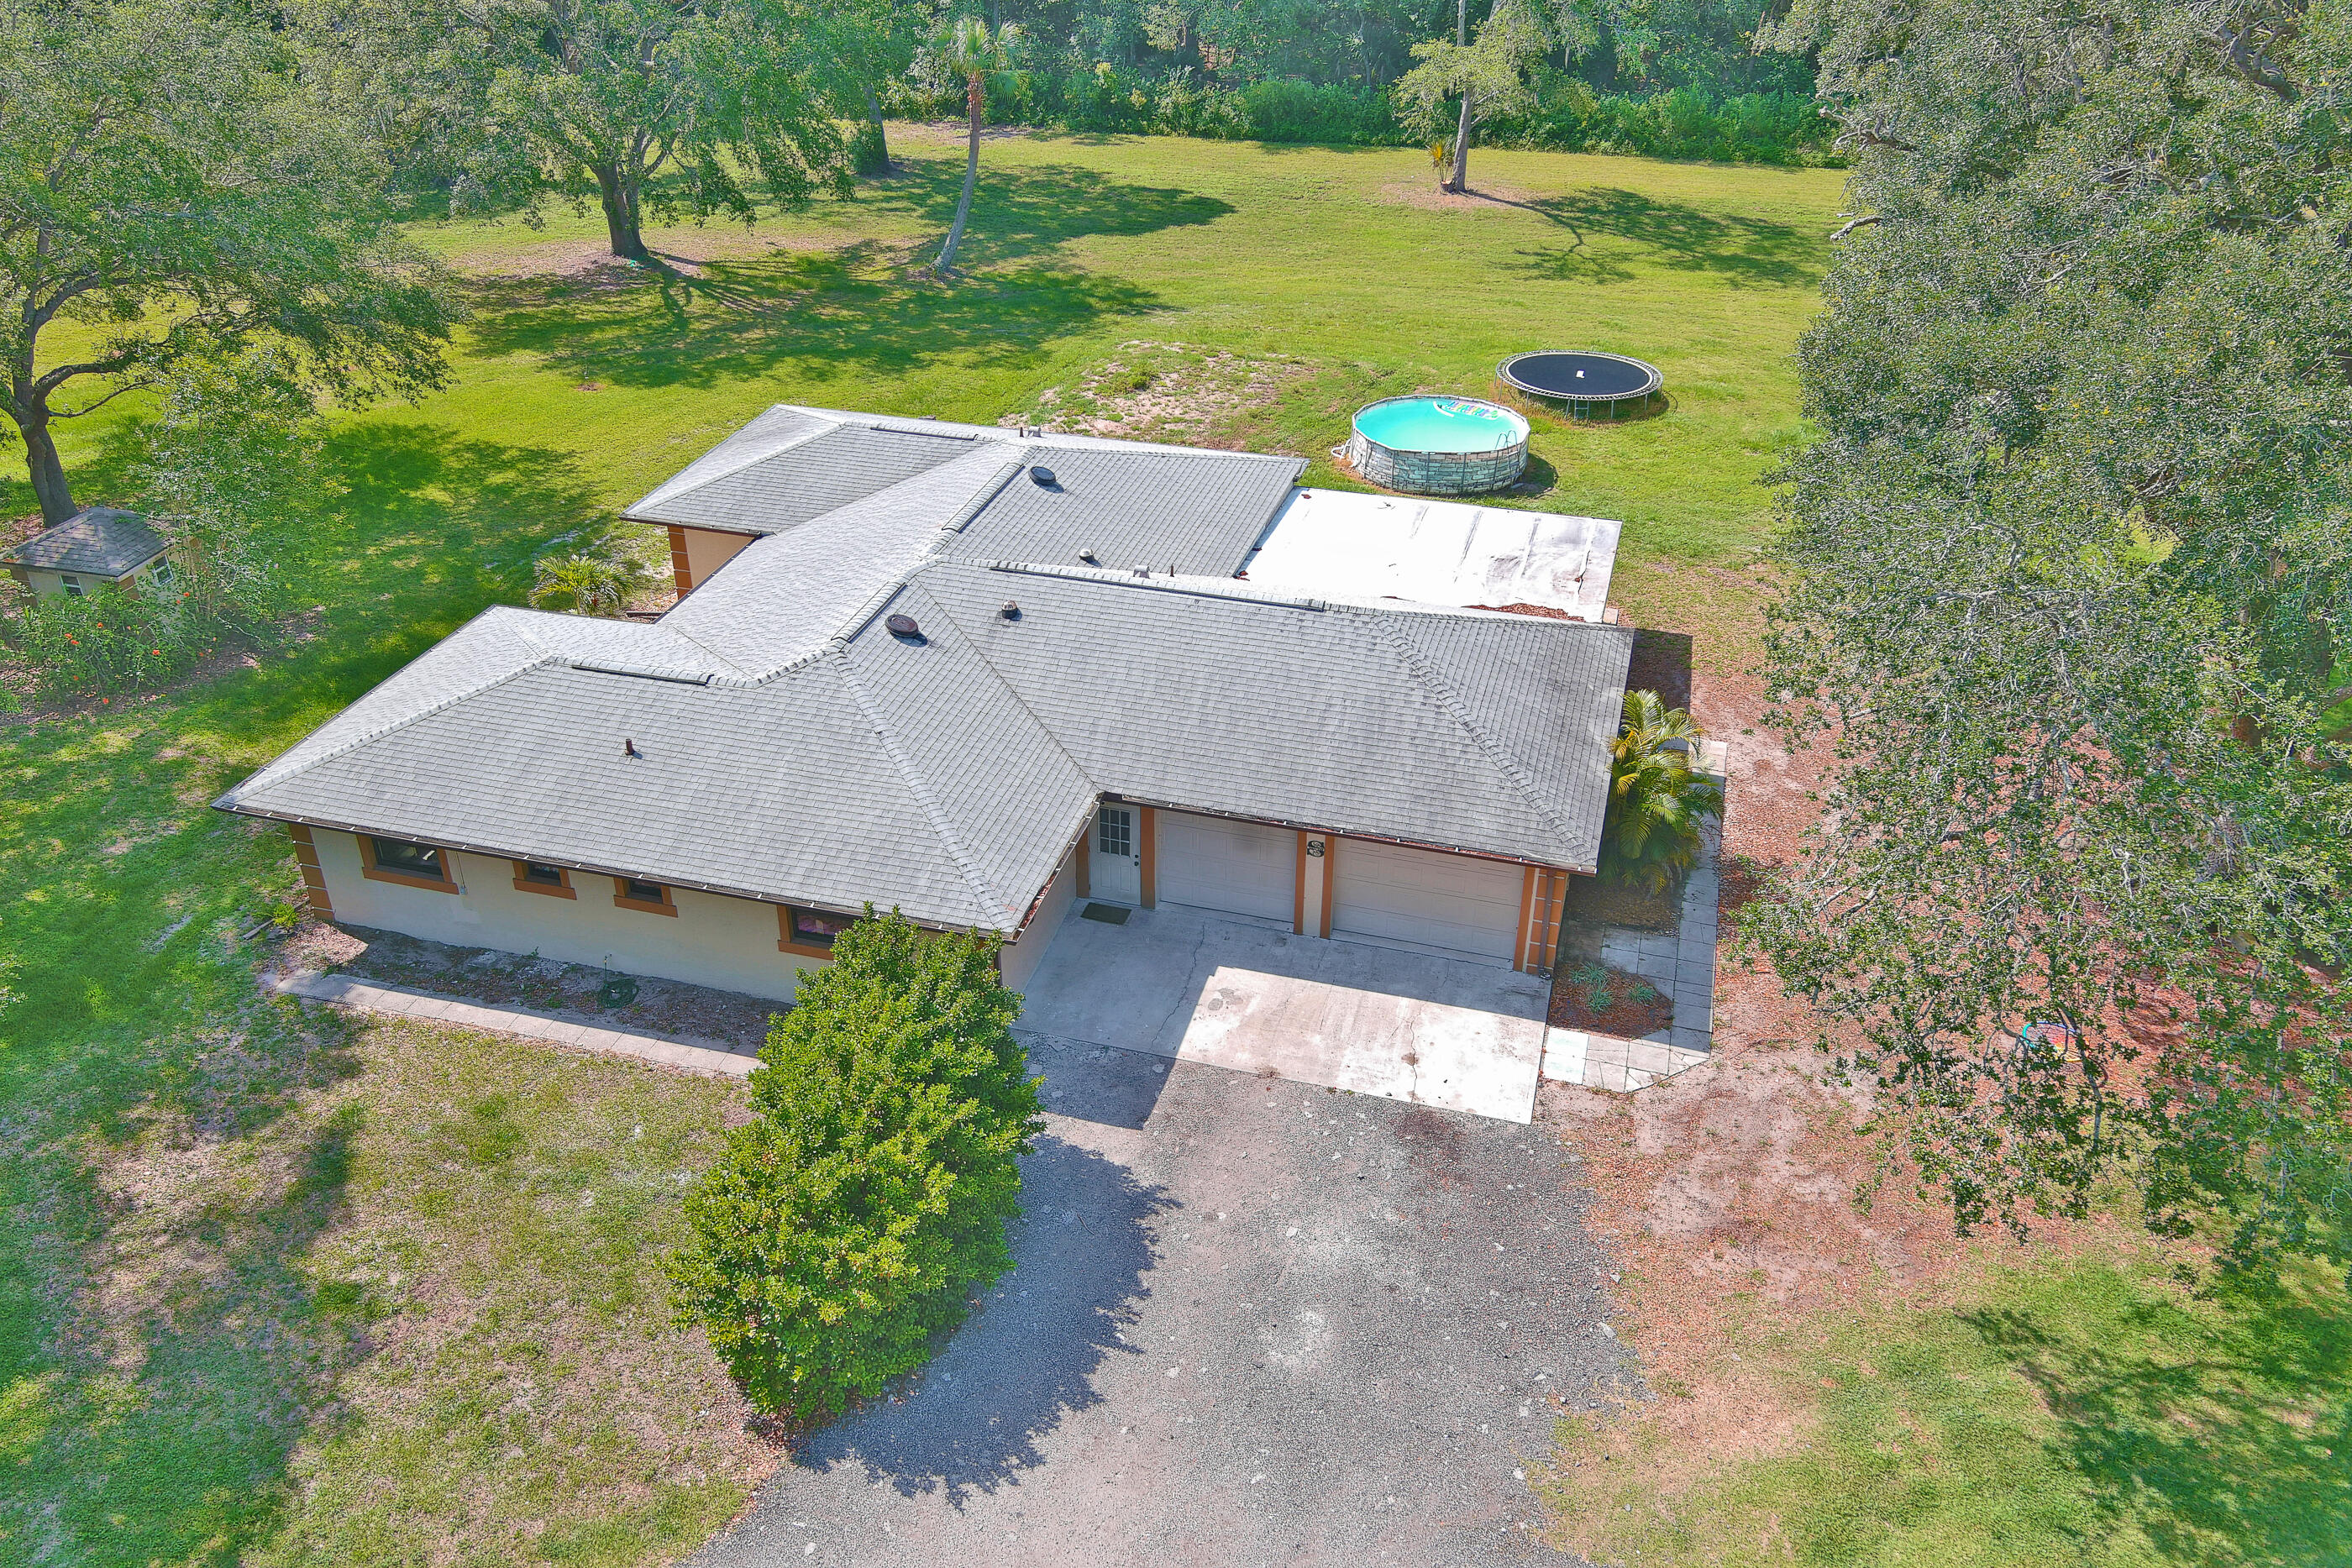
(1681, 965)
(403, 1001)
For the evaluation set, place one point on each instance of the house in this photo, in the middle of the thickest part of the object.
(98, 547)
(974, 675)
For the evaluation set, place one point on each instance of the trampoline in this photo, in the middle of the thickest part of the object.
(1587, 385)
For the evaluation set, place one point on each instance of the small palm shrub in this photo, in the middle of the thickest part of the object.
(1656, 798)
(842, 1227)
(586, 584)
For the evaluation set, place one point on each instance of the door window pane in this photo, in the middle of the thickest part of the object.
(1115, 831)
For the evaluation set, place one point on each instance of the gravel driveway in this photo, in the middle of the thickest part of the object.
(1252, 1322)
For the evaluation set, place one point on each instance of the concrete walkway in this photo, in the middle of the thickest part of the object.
(1399, 1023)
(403, 1001)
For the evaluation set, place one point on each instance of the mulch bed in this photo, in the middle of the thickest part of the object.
(546, 985)
(1608, 1001)
(1662, 663)
(1598, 902)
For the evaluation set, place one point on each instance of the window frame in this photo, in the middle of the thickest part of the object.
(70, 584)
(623, 899)
(559, 888)
(789, 938)
(1126, 832)
(375, 872)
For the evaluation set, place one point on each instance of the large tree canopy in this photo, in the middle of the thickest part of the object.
(169, 189)
(522, 100)
(2071, 568)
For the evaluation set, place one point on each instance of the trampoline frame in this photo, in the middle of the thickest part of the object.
(1654, 385)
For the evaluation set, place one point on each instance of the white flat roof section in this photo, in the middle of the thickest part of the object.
(1348, 543)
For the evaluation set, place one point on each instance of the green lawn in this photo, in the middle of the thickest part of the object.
(2087, 1414)
(270, 1288)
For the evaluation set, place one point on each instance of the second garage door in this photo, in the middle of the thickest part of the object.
(1433, 900)
(1241, 868)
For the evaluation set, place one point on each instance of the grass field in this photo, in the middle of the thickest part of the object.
(273, 1289)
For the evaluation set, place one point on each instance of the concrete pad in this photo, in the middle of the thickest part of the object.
(1402, 1025)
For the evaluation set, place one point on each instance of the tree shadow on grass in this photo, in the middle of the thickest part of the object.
(1742, 251)
(851, 314)
(2223, 1437)
(1028, 1359)
(1020, 214)
(418, 529)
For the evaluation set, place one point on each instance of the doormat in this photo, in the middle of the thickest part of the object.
(1108, 913)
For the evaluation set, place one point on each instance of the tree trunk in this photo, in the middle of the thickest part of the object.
(619, 198)
(881, 139)
(1459, 181)
(974, 102)
(48, 474)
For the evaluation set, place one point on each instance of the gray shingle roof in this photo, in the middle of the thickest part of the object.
(797, 750)
(104, 542)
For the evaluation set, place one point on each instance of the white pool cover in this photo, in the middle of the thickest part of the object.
(1437, 552)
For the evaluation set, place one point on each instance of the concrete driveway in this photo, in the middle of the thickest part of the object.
(1252, 1322)
(1405, 1024)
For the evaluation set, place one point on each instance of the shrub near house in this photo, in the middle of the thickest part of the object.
(842, 1226)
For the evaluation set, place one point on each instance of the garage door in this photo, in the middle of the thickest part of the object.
(1421, 897)
(1241, 868)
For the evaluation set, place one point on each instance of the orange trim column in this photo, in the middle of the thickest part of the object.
(1149, 827)
(1555, 915)
(1298, 885)
(314, 876)
(1527, 918)
(679, 567)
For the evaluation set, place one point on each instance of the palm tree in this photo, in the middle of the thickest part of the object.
(975, 52)
(1656, 798)
(586, 584)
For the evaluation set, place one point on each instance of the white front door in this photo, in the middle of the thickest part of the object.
(1115, 864)
(1216, 862)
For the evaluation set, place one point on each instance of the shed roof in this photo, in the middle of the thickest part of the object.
(104, 542)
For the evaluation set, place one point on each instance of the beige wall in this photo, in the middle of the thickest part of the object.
(1020, 957)
(729, 943)
(707, 551)
(41, 581)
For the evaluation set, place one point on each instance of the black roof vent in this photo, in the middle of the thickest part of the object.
(1011, 611)
(1043, 477)
(903, 626)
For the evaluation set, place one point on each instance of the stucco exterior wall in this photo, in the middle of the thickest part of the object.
(41, 580)
(1020, 958)
(729, 943)
(707, 551)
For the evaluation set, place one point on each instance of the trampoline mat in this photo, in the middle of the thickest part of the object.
(1578, 375)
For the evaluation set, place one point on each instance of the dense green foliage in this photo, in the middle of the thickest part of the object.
(844, 1226)
(170, 182)
(514, 103)
(1658, 802)
(2071, 572)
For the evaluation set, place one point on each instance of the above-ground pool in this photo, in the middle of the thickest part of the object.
(1588, 385)
(1438, 445)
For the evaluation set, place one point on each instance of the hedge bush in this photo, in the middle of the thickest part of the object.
(109, 641)
(843, 1228)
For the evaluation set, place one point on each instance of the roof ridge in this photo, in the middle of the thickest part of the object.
(991, 901)
(663, 492)
(1424, 669)
(1053, 736)
(1199, 585)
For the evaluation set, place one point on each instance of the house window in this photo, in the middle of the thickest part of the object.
(1115, 831)
(70, 583)
(811, 930)
(652, 897)
(405, 862)
(538, 876)
(162, 576)
(416, 860)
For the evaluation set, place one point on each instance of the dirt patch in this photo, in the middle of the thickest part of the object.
(1177, 392)
(727, 1021)
(1423, 192)
(1608, 1001)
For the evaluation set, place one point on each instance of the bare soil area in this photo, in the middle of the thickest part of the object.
(1177, 392)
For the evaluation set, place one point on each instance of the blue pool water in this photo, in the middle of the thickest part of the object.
(1440, 424)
